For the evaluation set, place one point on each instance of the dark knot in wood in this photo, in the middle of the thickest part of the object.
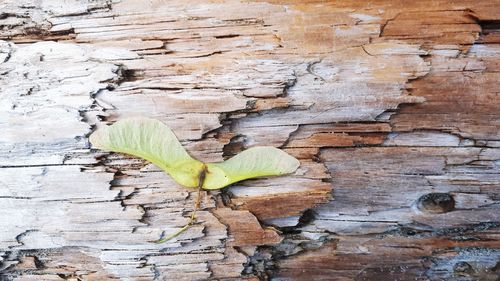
(463, 268)
(436, 203)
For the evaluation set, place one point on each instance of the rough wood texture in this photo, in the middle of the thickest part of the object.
(392, 108)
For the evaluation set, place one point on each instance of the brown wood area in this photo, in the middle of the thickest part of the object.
(392, 108)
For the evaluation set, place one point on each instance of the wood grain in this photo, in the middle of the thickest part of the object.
(391, 107)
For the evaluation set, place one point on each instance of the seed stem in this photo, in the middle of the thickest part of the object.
(192, 219)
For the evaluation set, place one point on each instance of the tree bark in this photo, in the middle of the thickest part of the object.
(391, 107)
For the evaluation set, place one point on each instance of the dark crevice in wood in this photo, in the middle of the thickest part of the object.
(455, 233)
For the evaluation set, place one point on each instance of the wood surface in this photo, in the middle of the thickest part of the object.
(392, 108)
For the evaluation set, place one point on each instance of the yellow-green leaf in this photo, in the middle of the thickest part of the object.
(253, 162)
(151, 140)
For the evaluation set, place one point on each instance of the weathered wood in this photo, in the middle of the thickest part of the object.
(391, 107)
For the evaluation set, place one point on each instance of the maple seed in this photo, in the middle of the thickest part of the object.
(152, 140)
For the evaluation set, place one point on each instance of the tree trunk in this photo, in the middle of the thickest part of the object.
(391, 107)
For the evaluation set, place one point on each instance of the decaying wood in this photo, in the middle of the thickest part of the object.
(391, 107)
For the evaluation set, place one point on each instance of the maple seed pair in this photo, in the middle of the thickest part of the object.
(152, 140)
